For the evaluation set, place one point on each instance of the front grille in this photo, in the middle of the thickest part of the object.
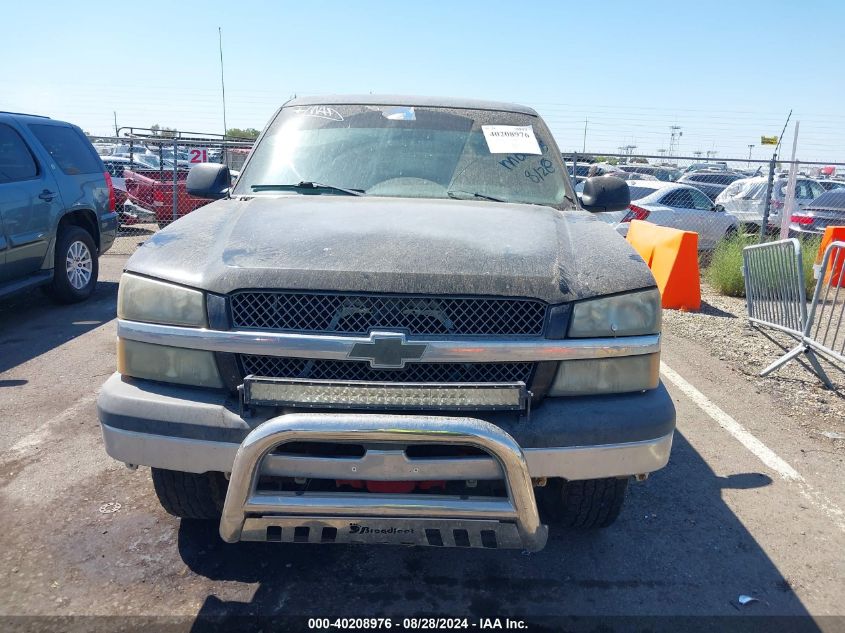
(348, 370)
(358, 314)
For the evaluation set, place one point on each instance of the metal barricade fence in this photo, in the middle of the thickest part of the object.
(824, 332)
(774, 286)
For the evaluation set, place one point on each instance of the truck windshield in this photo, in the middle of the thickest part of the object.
(413, 152)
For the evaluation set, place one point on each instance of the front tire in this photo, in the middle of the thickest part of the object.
(190, 495)
(76, 267)
(588, 504)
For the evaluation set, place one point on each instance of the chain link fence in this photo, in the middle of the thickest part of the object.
(722, 197)
(715, 197)
(149, 170)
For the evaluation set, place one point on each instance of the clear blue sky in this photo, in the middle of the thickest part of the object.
(726, 72)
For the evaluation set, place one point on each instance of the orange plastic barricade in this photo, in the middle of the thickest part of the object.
(835, 268)
(672, 256)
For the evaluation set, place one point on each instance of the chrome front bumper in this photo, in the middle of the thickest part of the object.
(411, 519)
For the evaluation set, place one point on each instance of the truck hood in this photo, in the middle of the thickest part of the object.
(394, 245)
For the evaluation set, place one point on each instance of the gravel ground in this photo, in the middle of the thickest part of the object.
(722, 327)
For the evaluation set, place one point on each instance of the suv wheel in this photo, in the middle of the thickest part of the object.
(76, 267)
(592, 503)
(189, 495)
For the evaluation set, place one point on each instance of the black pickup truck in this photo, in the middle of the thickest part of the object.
(399, 326)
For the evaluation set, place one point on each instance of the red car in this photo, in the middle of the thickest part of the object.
(147, 189)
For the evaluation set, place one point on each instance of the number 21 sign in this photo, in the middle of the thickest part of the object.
(198, 155)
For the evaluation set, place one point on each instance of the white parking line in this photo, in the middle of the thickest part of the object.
(760, 450)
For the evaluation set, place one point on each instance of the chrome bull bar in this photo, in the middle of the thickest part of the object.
(413, 519)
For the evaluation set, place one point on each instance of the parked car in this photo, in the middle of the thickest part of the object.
(626, 176)
(128, 212)
(720, 165)
(746, 199)
(386, 305)
(57, 208)
(826, 210)
(125, 149)
(666, 174)
(152, 190)
(589, 170)
(710, 182)
(675, 205)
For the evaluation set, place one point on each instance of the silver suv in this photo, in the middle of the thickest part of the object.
(746, 198)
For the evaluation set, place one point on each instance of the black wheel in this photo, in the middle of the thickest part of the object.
(731, 233)
(189, 495)
(592, 503)
(75, 268)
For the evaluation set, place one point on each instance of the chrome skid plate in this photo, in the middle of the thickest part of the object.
(409, 519)
(377, 531)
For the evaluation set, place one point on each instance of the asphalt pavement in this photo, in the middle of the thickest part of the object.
(81, 534)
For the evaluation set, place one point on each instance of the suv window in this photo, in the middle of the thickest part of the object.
(16, 162)
(115, 169)
(816, 189)
(680, 199)
(802, 190)
(68, 148)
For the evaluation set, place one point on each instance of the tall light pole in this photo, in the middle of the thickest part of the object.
(750, 147)
(674, 133)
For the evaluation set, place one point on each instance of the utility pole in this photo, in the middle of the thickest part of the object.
(223, 91)
(786, 212)
(750, 147)
(115, 122)
(584, 148)
(764, 225)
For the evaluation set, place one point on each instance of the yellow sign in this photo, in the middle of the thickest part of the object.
(768, 140)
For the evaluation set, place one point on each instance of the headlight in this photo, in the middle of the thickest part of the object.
(606, 375)
(151, 301)
(167, 364)
(630, 314)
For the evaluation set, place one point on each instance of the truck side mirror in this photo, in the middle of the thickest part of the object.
(209, 180)
(605, 193)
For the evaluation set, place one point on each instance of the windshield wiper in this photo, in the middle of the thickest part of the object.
(453, 193)
(308, 184)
